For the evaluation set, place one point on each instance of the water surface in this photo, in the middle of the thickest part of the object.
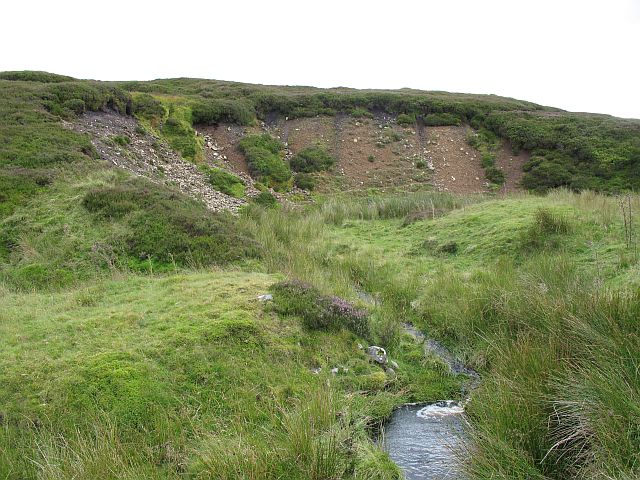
(422, 440)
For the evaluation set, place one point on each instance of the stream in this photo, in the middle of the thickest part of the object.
(425, 440)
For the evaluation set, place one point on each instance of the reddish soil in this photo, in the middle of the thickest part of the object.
(511, 165)
(376, 153)
(226, 138)
(457, 164)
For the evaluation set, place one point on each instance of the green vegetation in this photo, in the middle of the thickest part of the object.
(406, 120)
(312, 159)
(166, 227)
(582, 151)
(134, 345)
(212, 112)
(317, 311)
(265, 199)
(304, 181)
(360, 112)
(441, 119)
(488, 144)
(32, 76)
(177, 129)
(264, 156)
(171, 376)
(224, 181)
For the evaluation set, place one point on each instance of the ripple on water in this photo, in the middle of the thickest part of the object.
(422, 440)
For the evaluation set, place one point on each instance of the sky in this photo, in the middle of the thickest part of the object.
(579, 55)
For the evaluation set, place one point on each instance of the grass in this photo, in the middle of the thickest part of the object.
(179, 373)
(101, 223)
(124, 358)
(169, 374)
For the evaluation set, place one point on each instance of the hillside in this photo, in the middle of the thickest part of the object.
(192, 273)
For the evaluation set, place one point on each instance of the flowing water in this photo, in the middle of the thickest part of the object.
(424, 440)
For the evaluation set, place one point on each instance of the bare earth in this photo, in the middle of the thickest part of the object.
(377, 153)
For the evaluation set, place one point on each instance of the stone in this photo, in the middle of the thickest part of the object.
(265, 298)
(393, 364)
(378, 354)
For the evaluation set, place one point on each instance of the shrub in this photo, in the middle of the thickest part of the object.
(441, 119)
(319, 312)
(494, 175)
(305, 181)
(95, 95)
(214, 111)
(488, 144)
(34, 76)
(312, 159)
(546, 171)
(265, 199)
(359, 112)
(75, 105)
(263, 154)
(224, 181)
(406, 120)
(148, 107)
(121, 140)
(163, 226)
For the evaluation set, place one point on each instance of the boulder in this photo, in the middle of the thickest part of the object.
(378, 354)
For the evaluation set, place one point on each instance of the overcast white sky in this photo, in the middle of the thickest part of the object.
(580, 55)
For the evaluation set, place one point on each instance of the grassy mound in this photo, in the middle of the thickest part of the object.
(162, 377)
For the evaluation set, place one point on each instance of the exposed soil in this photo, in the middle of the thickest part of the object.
(371, 153)
(457, 164)
(511, 165)
(374, 153)
(221, 146)
(148, 156)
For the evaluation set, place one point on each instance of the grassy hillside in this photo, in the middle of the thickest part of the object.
(134, 345)
(538, 294)
(576, 150)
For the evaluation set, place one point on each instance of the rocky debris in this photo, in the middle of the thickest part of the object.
(146, 155)
(214, 153)
(393, 364)
(378, 354)
(265, 297)
(457, 167)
